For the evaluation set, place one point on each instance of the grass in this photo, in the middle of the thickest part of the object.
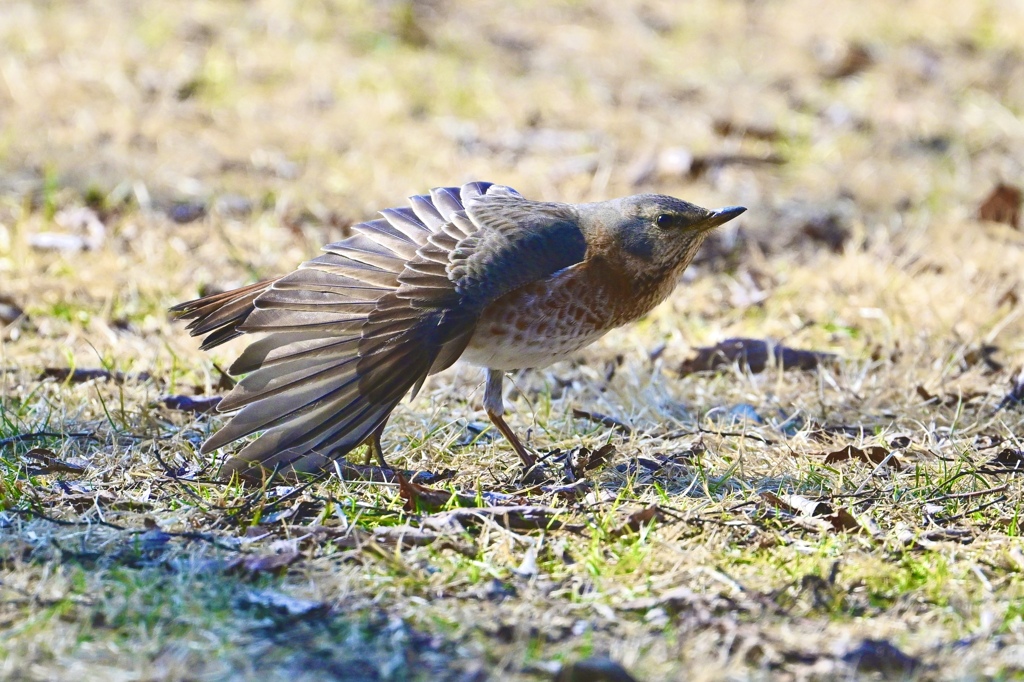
(286, 123)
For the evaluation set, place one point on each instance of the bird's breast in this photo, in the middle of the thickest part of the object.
(551, 319)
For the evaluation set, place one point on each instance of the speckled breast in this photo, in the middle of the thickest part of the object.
(550, 320)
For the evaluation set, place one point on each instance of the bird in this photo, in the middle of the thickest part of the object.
(478, 273)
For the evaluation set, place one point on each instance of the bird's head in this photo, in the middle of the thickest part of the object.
(650, 234)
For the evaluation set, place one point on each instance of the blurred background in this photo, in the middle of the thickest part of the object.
(149, 150)
(153, 151)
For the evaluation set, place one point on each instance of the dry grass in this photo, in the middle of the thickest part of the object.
(287, 123)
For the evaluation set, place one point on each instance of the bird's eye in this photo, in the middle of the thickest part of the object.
(665, 220)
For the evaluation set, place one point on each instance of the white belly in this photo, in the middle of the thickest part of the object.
(519, 351)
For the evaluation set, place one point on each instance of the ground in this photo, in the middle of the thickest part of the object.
(858, 518)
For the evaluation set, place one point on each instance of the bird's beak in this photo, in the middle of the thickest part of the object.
(722, 216)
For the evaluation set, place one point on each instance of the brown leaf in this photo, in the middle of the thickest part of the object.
(638, 519)
(701, 164)
(50, 463)
(797, 504)
(1008, 461)
(1002, 205)
(727, 127)
(875, 454)
(821, 514)
(827, 229)
(9, 310)
(983, 354)
(854, 59)
(253, 565)
(901, 442)
(753, 354)
(578, 461)
(1009, 297)
(421, 499)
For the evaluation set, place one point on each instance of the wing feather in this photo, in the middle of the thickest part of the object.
(353, 330)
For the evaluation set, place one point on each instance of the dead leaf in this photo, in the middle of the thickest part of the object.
(983, 355)
(878, 655)
(1002, 205)
(10, 311)
(797, 504)
(754, 355)
(875, 454)
(755, 131)
(637, 520)
(901, 442)
(1008, 461)
(250, 565)
(702, 164)
(420, 499)
(639, 466)
(827, 229)
(594, 669)
(822, 515)
(854, 59)
(578, 461)
(50, 463)
(184, 403)
(1009, 297)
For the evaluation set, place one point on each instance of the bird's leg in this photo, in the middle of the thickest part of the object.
(495, 407)
(373, 448)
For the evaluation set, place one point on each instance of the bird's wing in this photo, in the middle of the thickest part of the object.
(219, 315)
(348, 334)
(511, 242)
